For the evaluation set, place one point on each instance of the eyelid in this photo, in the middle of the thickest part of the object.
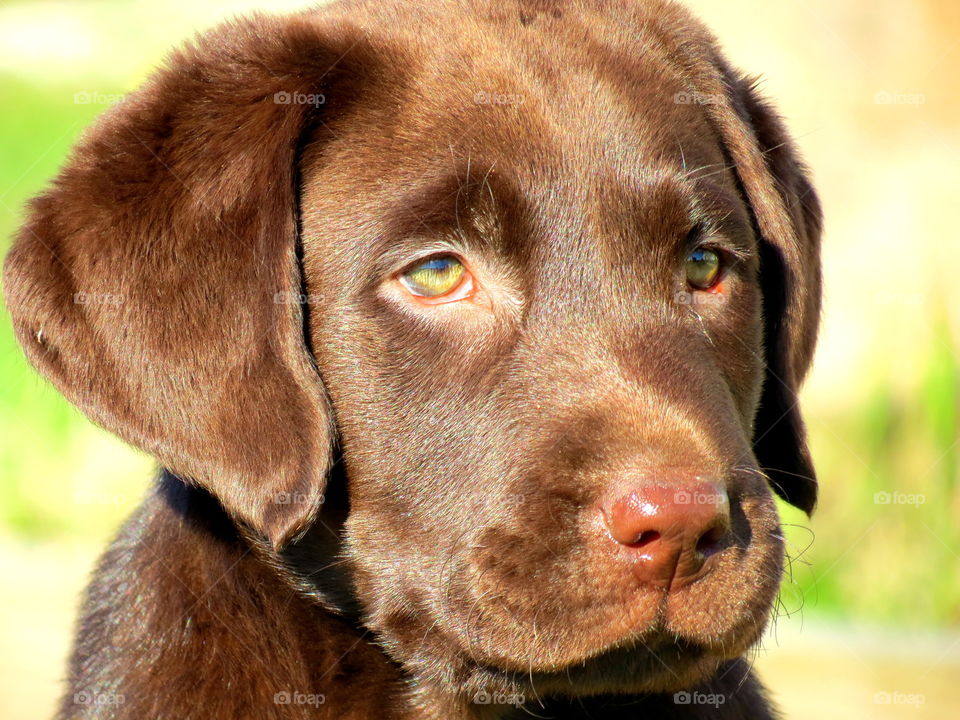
(705, 235)
(400, 259)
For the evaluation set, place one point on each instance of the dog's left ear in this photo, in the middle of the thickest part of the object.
(157, 282)
(789, 222)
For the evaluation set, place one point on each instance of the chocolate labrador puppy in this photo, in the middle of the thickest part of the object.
(468, 335)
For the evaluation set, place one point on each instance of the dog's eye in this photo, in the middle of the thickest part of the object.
(703, 268)
(437, 278)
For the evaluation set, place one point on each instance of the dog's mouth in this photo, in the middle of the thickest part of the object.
(517, 616)
(649, 629)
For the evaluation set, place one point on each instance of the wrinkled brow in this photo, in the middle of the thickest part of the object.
(472, 207)
(720, 210)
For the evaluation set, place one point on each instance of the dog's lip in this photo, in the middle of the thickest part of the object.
(626, 632)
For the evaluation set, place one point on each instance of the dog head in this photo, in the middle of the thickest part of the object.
(546, 274)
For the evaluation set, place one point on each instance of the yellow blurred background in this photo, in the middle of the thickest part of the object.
(869, 617)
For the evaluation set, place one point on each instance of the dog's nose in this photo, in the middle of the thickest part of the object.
(671, 529)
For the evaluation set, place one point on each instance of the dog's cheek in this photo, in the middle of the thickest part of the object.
(408, 581)
(730, 629)
(735, 327)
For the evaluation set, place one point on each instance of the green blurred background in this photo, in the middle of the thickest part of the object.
(869, 617)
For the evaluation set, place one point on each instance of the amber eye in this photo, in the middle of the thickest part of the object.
(434, 277)
(703, 268)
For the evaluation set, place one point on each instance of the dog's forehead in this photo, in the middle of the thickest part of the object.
(590, 136)
(581, 107)
(594, 137)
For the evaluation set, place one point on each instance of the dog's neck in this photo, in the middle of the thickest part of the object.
(315, 564)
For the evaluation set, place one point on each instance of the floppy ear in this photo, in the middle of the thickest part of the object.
(157, 282)
(791, 282)
(788, 217)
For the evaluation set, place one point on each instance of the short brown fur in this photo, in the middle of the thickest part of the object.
(370, 512)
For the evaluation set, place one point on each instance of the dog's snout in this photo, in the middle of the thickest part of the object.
(671, 530)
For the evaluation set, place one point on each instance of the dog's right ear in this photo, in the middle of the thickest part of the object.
(791, 280)
(157, 283)
(776, 187)
(787, 214)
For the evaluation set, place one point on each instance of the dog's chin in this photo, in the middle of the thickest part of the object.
(662, 664)
(669, 654)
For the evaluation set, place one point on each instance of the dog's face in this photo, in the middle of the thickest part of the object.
(558, 295)
(560, 359)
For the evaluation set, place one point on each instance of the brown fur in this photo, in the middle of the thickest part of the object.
(398, 511)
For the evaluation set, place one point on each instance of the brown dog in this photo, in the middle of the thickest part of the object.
(524, 288)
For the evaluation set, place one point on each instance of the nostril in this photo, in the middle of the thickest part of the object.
(712, 541)
(671, 530)
(647, 537)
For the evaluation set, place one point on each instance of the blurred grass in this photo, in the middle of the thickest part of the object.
(884, 407)
(49, 451)
(886, 527)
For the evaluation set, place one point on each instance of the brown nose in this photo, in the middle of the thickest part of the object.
(671, 529)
